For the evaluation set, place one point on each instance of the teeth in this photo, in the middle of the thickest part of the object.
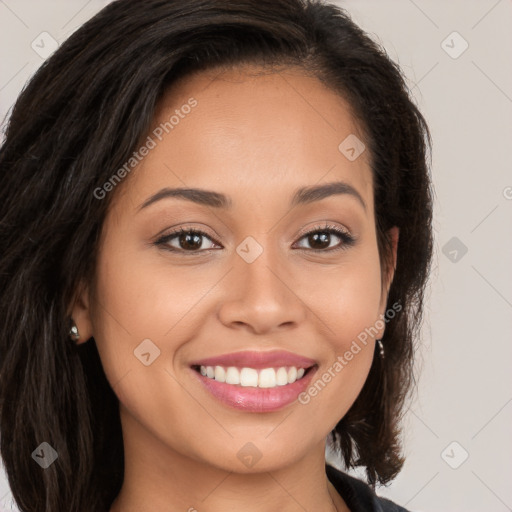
(232, 375)
(220, 374)
(267, 378)
(250, 377)
(282, 376)
(292, 374)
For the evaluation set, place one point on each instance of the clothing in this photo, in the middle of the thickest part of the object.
(358, 495)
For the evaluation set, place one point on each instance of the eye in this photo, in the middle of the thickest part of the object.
(188, 240)
(320, 239)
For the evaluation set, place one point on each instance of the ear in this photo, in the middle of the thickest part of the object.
(393, 234)
(81, 313)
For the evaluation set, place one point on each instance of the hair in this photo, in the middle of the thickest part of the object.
(77, 121)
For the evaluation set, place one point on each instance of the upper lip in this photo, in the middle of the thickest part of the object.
(257, 360)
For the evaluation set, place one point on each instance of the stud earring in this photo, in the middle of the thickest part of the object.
(381, 349)
(73, 332)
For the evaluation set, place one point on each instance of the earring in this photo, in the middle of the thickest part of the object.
(381, 349)
(73, 332)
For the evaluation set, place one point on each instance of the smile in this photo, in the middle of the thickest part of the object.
(252, 377)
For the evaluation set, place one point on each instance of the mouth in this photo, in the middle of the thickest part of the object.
(255, 381)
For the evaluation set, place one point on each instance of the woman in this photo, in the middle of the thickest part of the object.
(216, 234)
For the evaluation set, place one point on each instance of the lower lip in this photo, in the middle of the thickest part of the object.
(251, 399)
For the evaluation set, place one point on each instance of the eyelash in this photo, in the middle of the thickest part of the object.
(347, 239)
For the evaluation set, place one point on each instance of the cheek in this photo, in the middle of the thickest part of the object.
(347, 302)
(141, 306)
(146, 296)
(135, 316)
(123, 311)
(347, 298)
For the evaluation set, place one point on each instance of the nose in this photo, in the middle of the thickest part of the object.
(262, 296)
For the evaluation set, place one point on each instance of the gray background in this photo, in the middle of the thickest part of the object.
(463, 404)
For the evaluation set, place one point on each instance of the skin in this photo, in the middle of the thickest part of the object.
(255, 138)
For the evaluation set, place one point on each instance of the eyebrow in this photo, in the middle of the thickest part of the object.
(304, 195)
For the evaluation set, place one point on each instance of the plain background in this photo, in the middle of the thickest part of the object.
(457, 430)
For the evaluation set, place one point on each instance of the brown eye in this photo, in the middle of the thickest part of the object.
(190, 241)
(185, 240)
(320, 239)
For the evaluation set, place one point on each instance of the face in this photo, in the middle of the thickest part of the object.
(249, 277)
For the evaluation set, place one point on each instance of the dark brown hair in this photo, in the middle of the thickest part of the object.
(77, 121)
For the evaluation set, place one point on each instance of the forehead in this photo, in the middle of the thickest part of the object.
(250, 132)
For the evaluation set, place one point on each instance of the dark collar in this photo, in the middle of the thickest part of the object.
(358, 495)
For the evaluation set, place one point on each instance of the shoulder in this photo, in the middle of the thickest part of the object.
(358, 495)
